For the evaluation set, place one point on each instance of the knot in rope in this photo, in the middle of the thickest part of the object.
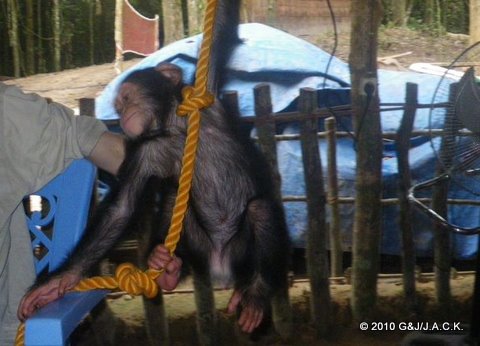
(194, 101)
(134, 281)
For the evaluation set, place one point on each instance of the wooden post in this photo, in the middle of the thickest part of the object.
(156, 319)
(317, 261)
(404, 183)
(229, 101)
(207, 325)
(266, 132)
(282, 315)
(442, 256)
(87, 106)
(336, 251)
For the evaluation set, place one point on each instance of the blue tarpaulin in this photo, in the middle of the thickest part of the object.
(287, 64)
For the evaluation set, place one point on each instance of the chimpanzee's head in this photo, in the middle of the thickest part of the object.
(146, 98)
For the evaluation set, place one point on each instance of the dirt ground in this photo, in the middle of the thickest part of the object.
(390, 311)
(402, 47)
(408, 46)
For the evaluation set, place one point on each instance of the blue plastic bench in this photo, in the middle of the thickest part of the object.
(69, 196)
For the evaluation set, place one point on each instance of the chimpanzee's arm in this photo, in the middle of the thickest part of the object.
(110, 222)
(114, 215)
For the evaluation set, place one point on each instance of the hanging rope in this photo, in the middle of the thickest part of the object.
(127, 277)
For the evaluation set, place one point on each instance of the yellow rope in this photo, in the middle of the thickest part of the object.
(194, 99)
(127, 277)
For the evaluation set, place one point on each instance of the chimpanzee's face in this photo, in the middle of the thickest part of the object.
(135, 110)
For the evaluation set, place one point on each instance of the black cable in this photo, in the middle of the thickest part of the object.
(369, 90)
(335, 41)
(332, 54)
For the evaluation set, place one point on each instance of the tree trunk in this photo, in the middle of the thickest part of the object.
(13, 35)
(172, 19)
(429, 14)
(91, 26)
(56, 35)
(196, 10)
(272, 13)
(185, 15)
(29, 39)
(41, 65)
(474, 21)
(366, 16)
(399, 12)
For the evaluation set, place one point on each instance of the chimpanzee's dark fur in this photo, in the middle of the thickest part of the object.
(234, 229)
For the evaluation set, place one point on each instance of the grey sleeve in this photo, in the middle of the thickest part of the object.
(39, 139)
(82, 132)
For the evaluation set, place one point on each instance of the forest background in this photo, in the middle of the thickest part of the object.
(40, 36)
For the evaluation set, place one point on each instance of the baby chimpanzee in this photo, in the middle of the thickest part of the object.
(234, 229)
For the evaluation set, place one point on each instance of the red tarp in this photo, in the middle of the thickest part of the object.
(140, 34)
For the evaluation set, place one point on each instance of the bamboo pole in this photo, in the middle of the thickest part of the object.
(336, 251)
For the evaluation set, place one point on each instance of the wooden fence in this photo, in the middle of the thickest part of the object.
(318, 199)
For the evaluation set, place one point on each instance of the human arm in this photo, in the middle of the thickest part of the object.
(109, 152)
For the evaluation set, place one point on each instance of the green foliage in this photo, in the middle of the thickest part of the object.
(456, 16)
(5, 54)
(387, 12)
(148, 8)
(435, 17)
(75, 19)
(435, 29)
(449, 15)
(77, 50)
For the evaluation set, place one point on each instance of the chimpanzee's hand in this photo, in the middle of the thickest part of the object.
(41, 295)
(160, 258)
(250, 317)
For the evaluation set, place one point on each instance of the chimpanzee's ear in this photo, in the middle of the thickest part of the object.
(171, 71)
